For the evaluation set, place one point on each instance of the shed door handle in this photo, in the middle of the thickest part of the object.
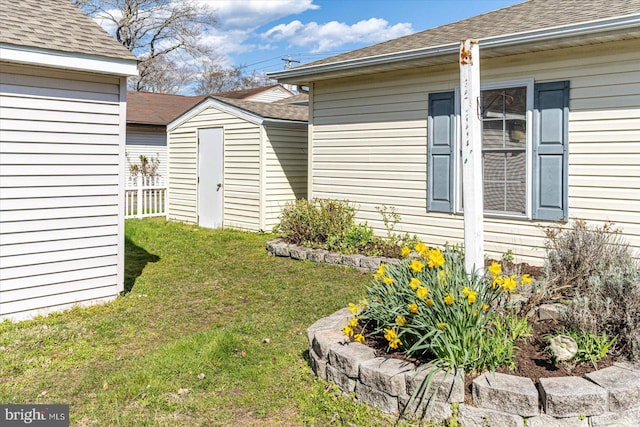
(219, 187)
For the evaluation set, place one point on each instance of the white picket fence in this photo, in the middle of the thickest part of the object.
(145, 197)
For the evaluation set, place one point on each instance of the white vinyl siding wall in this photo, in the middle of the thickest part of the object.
(369, 143)
(286, 170)
(146, 141)
(59, 189)
(241, 169)
(271, 95)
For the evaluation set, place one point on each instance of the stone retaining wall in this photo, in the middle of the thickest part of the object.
(279, 247)
(608, 397)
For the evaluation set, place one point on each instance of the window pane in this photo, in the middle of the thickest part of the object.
(492, 134)
(504, 176)
(504, 130)
(516, 101)
(492, 103)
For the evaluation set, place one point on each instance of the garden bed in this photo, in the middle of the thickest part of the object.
(573, 396)
(609, 396)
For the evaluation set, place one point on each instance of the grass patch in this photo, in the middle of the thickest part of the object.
(198, 302)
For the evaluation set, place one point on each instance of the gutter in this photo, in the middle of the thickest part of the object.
(547, 34)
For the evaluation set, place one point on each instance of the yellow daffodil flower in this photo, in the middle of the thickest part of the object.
(436, 259)
(416, 266)
(442, 326)
(401, 320)
(422, 249)
(413, 308)
(358, 338)
(353, 322)
(380, 272)
(391, 336)
(405, 252)
(429, 302)
(388, 280)
(495, 268)
(414, 283)
(472, 296)
(498, 281)
(526, 279)
(348, 330)
(449, 299)
(354, 309)
(421, 292)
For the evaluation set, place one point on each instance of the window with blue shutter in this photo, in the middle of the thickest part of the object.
(441, 132)
(550, 151)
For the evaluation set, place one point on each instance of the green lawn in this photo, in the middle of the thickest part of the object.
(199, 302)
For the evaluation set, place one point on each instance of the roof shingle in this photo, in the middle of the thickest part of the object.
(269, 110)
(56, 25)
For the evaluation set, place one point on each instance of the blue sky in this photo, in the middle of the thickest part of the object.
(257, 33)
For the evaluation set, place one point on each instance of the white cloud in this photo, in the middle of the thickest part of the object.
(247, 15)
(332, 35)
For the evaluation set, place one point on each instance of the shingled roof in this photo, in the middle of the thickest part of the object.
(530, 16)
(269, 110)
(56, 25)
(148, 108)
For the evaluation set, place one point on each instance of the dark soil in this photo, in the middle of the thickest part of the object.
(532, 360)
(521, 268)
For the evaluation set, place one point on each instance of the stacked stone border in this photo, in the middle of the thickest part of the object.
(608, 397)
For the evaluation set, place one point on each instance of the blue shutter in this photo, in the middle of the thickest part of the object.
(440, 152)
(550, 151)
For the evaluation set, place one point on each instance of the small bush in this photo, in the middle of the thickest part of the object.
(610, 304)
(429, 307)
(594, 272)
(576, 254)
(355, 240)
(314, 222)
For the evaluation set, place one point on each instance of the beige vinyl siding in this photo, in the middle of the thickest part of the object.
(270, 95)
(241, 169)
(149, 141)
(369, 143)
(286, 169)
(59, 189)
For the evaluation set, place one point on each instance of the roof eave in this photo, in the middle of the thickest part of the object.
(69, 61)
(302, 75)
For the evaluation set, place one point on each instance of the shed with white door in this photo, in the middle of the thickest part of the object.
(236, 163)
(62, 135)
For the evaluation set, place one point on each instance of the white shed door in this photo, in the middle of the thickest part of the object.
(210, 169)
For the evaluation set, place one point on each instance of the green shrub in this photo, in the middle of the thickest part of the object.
(429, 307)
(576, 254)
(610, 304)
(593, 271)
(313, 222)
(354, 240)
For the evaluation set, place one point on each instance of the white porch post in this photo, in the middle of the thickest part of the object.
(471, 155)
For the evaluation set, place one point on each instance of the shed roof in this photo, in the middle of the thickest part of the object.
(529, 16)
(270, 110)
(56, 25)
(298, 99)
